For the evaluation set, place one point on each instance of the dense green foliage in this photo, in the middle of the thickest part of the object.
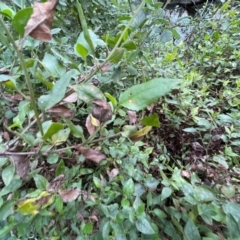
(124, 126)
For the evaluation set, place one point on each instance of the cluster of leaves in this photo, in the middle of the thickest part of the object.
(88, 151)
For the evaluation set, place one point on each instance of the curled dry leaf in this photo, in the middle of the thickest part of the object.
(113, 173)
(87, 195)
(61, 111)
(186, 173)
(91, 154)
(69, 195)
(90, 127)
(39, 25)
(21, 162)
(101, 110)
(132, 117)
(106, 67)
(56, 184)
(14, 98)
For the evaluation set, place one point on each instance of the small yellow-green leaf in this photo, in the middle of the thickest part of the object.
(139, 134)
(151, 120)
(81, 51)
(111, 98)
(50, 128)
(60, 137)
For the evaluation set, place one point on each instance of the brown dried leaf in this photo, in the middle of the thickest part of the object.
(106, 67)
(61, 111)
(91, 154)
(6, 136)
(132, 117)
(186, 173)
(87, 195)
(39, 25)
(71, 98)
(90, 127)
(14, 98)
(56, 183)
(102, 110)
(113, 173)
(21, 163)
(69, 195)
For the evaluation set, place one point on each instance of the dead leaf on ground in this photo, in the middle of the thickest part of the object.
(69, 195)
(101, 110)
(71, 98)
(186, 173)
(56, 183)
(14, 98)
(87, 195)
(40, 23)
(6, 136)
(21, 162)
(113, 173)
(90, 127)
(91, 154)
(61, 111)
(132, 117)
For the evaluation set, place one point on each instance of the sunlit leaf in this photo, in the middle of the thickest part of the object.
(140, 96)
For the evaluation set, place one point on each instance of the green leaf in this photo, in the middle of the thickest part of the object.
(84, 26)
(233, 209)
(165, 36)
(52, 158)
(166, 192)
(97, 182)
(190, 130)
(60, 168)
(144, 226)
(140, 96)
(57, 93)
(228, 191)
(53, 65)
(129, 45)
(6, 209)
(233, 227)
(20, 20)
(87, 92)
(204, 194)
(60, 137)
(128, 188)
(13, 186)
(106, 229)
(4, 9)
(6, 229)
(111, 98)
(76, 130)
(88, 228)
(7, 174)
(151, 120)
(40, 181)
(159, 213)
(50, 128)
(191, 231)
(59, 205)
(117, 55)
(81, 50)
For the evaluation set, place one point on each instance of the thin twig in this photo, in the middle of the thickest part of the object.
(6, 153)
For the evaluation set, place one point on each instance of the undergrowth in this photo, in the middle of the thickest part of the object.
(124, 125)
